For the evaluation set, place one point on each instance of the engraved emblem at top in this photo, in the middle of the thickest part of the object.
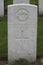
(22, 14)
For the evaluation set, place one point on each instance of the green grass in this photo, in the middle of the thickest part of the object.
(40, 36)
(3, 36)
(9, 2)
(31, 1)
(34, 1)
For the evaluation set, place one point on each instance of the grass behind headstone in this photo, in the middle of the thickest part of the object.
(3, 36)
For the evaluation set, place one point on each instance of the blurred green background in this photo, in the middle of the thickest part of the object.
(4, 30)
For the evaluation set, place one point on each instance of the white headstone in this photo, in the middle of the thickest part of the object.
(22, 31)
(1, 7)
(20, 1)
(40, 6)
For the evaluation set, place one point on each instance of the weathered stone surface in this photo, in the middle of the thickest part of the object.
(40, 6)
(21, 1)
(1, 8)
(22, 31)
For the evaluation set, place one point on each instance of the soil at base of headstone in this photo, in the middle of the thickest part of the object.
(3, 63)
(38, 62)
(3, 60)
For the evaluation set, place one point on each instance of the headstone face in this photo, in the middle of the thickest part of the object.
(1, 7)
(22, 32)
(20, 1)
(40, 6)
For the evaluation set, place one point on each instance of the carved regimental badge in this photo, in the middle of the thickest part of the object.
(22, 14)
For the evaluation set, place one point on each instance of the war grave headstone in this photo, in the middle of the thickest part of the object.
(22, 32)
(40, 6)
(1, 8)
(21, 1)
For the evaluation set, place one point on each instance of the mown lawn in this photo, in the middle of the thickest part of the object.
(34, 1)
(31, 1)
(3, 34)
(40, 36)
